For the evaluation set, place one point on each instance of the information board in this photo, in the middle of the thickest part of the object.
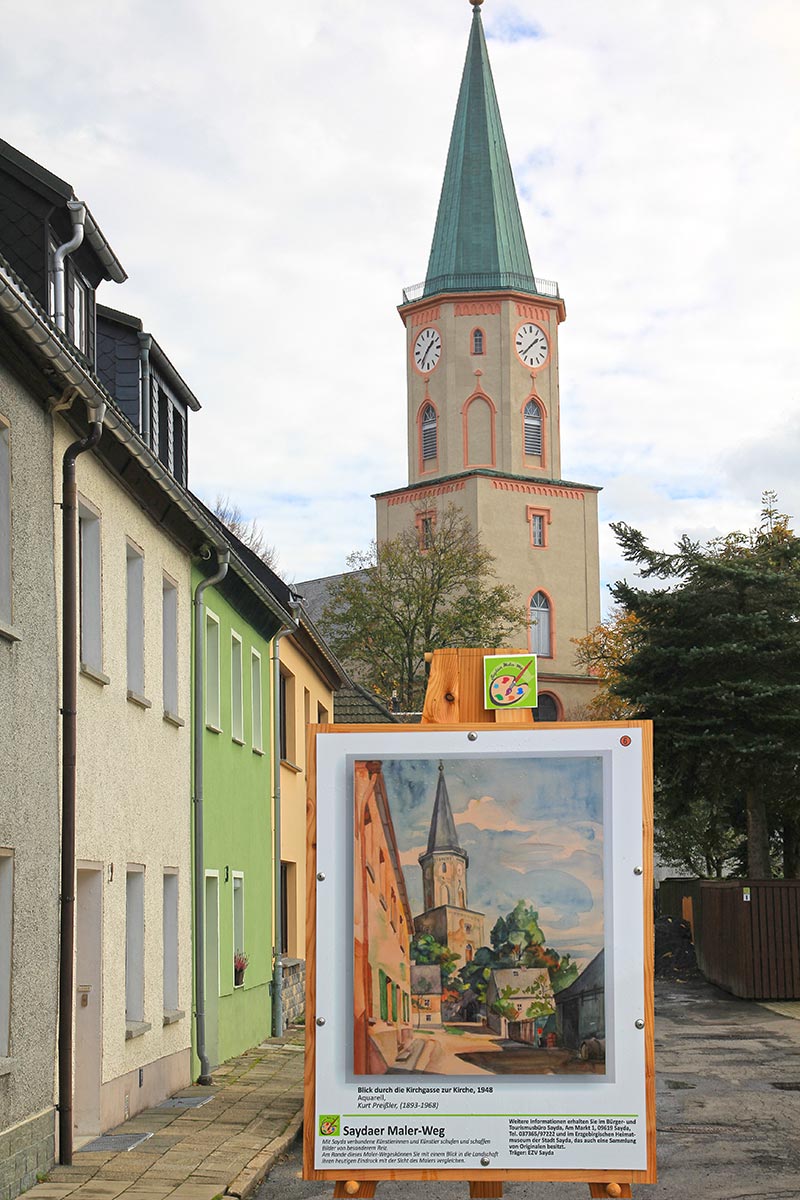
(479, 964)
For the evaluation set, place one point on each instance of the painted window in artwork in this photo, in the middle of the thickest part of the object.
(428, 433)
(395, 990)
(477, 341)
(469, 952)
(540, 621)
(384, 1002)
(533, 428)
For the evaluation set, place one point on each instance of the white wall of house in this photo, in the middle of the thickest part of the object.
(133, 797)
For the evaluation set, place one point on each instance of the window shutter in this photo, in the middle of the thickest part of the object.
(533, 428)
(428, 432)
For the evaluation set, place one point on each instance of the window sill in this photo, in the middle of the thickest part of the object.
(139, 701)
(11, 634)
(257, 750)
(212, 728)
(134, 1029)
(237, 741)
(6, 1066)
(173, 719)
(290, 766)
(94, 674)
(173, 1015)
(238, 987)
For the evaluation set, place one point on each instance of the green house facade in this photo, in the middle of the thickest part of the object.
(238, 872)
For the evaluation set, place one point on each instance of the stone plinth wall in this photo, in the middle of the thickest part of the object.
(26, 1150)
(294, 990)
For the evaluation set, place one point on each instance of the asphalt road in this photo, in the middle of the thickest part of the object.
(728, 1111)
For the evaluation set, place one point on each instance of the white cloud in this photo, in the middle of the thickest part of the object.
(269, 177)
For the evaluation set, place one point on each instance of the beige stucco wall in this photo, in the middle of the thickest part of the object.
(498, 373)
(308, 692)
(133, 794)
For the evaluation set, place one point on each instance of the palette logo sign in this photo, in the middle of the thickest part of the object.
(329, 1126)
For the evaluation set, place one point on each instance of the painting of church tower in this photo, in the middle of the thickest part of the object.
(447, 915)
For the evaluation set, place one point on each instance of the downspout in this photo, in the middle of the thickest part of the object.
(145, 342)
(277, 952)
(77, 212)
(69, 777)
(223, 558)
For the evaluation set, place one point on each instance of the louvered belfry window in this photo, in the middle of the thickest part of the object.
(428, 432)
(540, 625)
(533, 428)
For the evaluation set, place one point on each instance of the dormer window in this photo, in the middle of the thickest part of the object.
(80, 315)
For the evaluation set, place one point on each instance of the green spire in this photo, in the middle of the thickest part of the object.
(479, 241)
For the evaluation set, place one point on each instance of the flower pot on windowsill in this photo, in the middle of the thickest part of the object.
(240, 961)
(238, 976)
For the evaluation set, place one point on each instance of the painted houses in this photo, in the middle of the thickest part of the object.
(382, 931)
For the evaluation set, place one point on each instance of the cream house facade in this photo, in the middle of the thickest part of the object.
(133, 848)
(309, 675)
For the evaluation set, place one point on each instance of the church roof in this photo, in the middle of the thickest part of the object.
(479, 241)
(442, 834)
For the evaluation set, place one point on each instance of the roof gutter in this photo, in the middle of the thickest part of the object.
(77, 213)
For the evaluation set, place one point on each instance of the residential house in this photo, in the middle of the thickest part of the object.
(426, 995)
(521, 997)
(382, 930)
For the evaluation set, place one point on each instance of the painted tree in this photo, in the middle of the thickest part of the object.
(716, 665)
(426, 951)
(402, 599)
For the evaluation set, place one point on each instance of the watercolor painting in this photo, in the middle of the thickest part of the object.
(478, 916)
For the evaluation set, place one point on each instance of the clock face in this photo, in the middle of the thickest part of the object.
(427, 349)
(531, 343)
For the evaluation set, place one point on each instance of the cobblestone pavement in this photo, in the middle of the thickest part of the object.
(728, 1110)
(224, 1147)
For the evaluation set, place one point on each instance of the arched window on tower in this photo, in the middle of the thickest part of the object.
(541, 625)
(428, 425)
(468, 952)
(533, 428)
(477, 341)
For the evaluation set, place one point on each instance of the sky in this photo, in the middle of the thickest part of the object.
(269, 177)
(533, 830)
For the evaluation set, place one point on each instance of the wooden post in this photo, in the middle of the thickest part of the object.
(455, 696)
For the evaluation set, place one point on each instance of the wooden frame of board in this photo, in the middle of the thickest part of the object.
(594, 1177)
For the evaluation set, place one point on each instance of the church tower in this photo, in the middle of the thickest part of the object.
(483, 399)
(444, 884)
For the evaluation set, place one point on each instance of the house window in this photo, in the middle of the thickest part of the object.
(323, 716)
(538, 520)
(5, 524)
(477, 341)
(179, 446)
(6, 938)
(164, 415)
(212, 672)
(169, 640)
(91, 589)
(428, 425)
(238, 912)
(541, 625)
(80, 315)
(237, 692)
(170, 940)
(287, 717)
(135, 618)
(533, 428)
(255, 688)
(134, 944)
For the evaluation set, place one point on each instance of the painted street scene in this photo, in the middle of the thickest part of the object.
(478, 900)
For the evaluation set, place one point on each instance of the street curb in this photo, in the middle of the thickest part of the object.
(250, 1179)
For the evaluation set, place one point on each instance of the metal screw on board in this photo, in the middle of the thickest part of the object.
(484, 1162)
(637, 870)
(472, 737)
(640, 1024)
(320, 876)
(320, 1020)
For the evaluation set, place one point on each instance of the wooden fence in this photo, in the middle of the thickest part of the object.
(746, 932)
